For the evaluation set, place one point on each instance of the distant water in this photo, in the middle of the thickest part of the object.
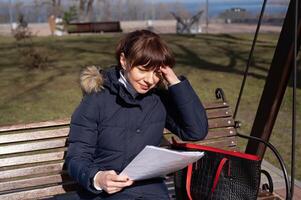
(251, 6)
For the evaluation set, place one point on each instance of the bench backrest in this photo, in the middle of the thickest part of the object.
(94, 27)
(32, 155)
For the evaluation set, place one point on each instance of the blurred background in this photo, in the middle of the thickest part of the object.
(45, 43)
(158, 14)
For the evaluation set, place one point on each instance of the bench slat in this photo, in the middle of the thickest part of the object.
(40, 192)
(25, 159)
(213, 133)
(36, 181)
(29, 136)
(16, 127)
(32, 146)
(223, 143)
(218, 133)
(32, 170)
(218, 113)
(221, 122)
(226, 122)
(216, 104)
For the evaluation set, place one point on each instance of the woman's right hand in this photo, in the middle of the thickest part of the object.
(110, 182)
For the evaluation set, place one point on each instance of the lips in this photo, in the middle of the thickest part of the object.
(144, 87)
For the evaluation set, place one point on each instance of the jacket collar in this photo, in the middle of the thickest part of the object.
(126, 84)
(111, 82)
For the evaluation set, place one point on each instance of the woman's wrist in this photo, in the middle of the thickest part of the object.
(174, 81)
(95, 182)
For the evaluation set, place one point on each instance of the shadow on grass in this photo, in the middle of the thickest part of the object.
(193, 60)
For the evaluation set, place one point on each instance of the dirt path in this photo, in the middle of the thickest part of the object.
(240, 28)
(160, 26)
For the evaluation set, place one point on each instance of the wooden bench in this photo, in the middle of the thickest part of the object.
(94, 27)
(32, 155)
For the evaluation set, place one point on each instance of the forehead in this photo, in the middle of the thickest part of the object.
(148, 60)
(148, 67)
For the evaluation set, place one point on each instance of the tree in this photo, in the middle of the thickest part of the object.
(86, 10)
(69, 15)
(5, 14)
(56, 7)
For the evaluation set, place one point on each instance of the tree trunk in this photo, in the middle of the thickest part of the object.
(89, 14)
(81, 9)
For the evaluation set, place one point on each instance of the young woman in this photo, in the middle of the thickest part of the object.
(124, 108)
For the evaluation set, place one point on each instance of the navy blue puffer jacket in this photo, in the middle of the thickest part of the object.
(110, 127)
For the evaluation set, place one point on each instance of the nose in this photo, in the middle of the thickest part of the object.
(150, 78)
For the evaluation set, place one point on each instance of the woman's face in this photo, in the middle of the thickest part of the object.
(143, 79)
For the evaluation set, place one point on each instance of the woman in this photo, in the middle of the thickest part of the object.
(123, 110)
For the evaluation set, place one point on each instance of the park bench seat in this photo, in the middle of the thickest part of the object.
(32, 155)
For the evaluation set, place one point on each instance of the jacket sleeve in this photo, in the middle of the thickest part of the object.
(186, 116)
(82, 142)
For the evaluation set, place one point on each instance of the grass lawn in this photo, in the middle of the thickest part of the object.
(209, 61)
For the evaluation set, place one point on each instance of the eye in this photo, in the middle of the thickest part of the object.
(142, 69)
(158, 73)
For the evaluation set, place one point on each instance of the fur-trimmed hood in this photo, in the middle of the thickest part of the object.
(91, 79)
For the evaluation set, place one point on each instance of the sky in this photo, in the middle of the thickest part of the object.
(183, 1)
(186, 1)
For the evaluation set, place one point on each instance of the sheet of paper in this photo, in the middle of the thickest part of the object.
(157, 162)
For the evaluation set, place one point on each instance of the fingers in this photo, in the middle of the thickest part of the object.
(118, 184)
(121, 178)
(169, 75)
(112, 190)
(110, 182)
(165, 69)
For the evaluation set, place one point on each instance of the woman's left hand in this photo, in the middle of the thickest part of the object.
(169, 75)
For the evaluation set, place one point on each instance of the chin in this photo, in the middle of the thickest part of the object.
(142, 91)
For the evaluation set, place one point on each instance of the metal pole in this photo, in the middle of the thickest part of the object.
(293, 149)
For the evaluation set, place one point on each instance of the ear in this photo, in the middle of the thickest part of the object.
(122, 61)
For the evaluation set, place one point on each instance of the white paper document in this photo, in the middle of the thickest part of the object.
(154, 162)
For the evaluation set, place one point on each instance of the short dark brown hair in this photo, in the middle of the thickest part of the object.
(143, 47)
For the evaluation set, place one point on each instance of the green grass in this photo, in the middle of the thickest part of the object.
(209, 61)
